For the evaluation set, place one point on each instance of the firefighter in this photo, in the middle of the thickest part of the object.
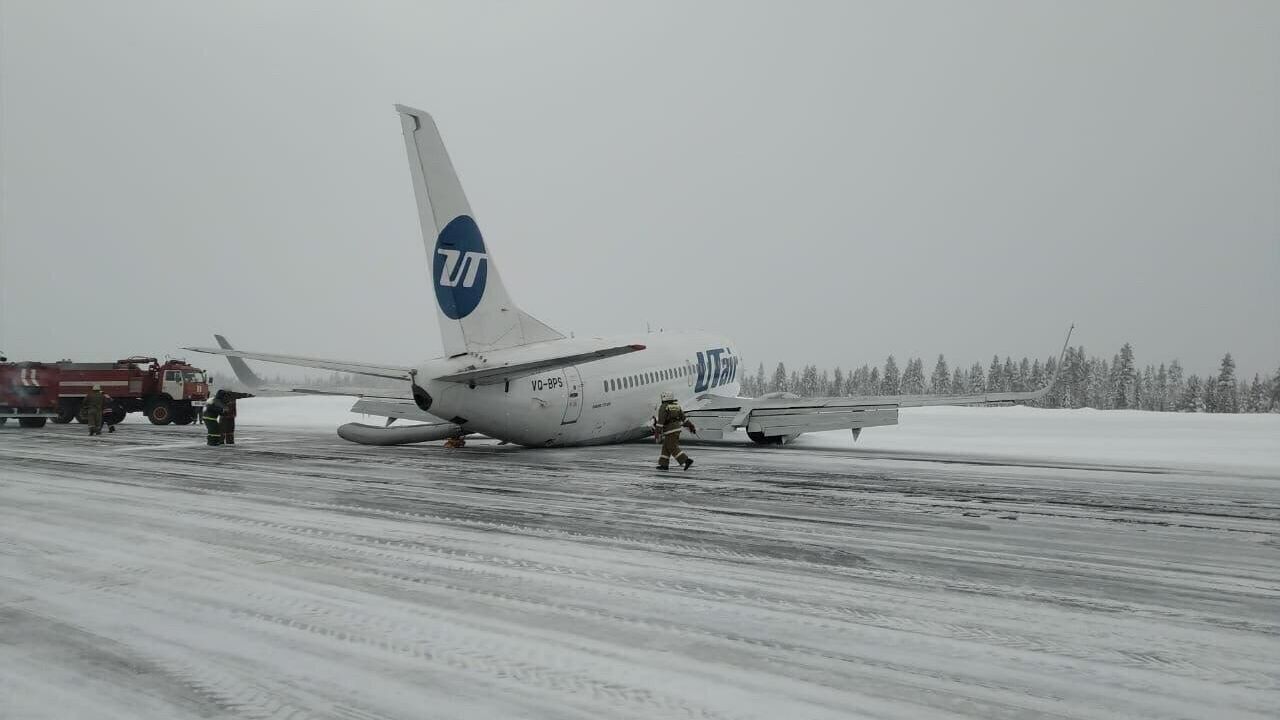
(94, 404)
(669, 421)
(228, 419)
(212, 412)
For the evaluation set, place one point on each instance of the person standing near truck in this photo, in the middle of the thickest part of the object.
(95, 401)
(228, 419)
(211, 416)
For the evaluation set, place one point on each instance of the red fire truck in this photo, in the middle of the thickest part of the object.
(168, 392)
(28, 392)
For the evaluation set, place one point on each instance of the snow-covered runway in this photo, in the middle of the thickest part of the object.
(296, 575)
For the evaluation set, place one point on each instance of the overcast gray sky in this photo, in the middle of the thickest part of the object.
(824, 182)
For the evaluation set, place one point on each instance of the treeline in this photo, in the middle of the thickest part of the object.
(1085, 381)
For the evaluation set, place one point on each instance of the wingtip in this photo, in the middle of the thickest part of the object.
(407, 110)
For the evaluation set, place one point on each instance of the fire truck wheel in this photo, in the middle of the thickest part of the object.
(67, 411)
(3, 420)
(160, 413)
(32, 422)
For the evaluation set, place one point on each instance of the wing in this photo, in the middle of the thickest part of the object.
(781, 419)
(395, 372)
(491, 375)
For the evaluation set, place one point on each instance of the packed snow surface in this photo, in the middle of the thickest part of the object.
(976, 563)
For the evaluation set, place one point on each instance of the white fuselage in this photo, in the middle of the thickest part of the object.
(602, 401)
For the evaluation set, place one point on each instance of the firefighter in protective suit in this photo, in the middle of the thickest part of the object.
(669, 422)
(229, 412)
(214, 412)
(212, 417)
(95, 403)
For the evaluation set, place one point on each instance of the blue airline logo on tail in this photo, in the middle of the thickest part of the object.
(461, 267)
(716, 367)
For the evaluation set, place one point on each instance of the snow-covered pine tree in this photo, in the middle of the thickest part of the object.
(1273, 393)
(977, 381)
(779, 381)
(1099, 384)
(859, 382)
(1057, 393)
(808, 382)
(995, 375)
(874, 386)
(1208, 395)
(1022, 376)
(1122, 373)
(837, 382)
(1080, 379)
(1160, 393)
(913, 377)
(940, 381)
(1257, 397)
(1192, 399)
(1175, 387)
(958, 382)
(1144, 389)
(824, 384)
(891, 383)
(761, 386)
(1035, 381)
(1226, 395)
(793, 383)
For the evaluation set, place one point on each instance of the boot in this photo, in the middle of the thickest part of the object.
(687, 463)
(111, 428)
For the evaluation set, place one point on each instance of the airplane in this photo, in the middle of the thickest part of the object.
(509, 376)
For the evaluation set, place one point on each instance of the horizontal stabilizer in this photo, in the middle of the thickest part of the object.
(500, 373)
(395, 372)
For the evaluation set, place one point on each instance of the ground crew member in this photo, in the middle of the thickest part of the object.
(212, 411)
(94, 403)
(228, 419)
(670, 419)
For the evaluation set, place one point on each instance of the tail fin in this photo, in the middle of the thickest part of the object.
(239, 366)
(475, 312)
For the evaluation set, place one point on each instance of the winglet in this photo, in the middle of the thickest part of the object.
(246, 376)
